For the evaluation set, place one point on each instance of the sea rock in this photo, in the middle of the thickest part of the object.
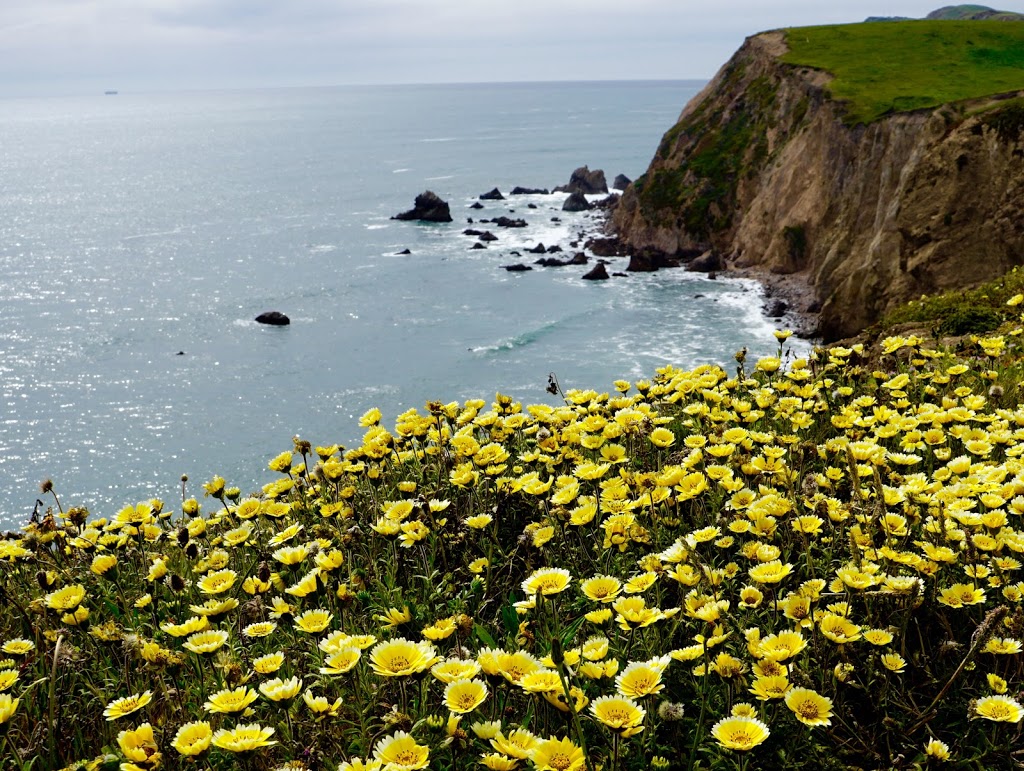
(507, 222)
(478, 245)
(531, 206)
(621, 275)
(404, 251)
(472, 232)
(598, 273)
(488, 236)
(554, 262)
(708, 262)
(476, 205)
(583, 180)
(492, 195)
(576, 202)
(274, 319)
(538, 249)
(528, 191)
(517, 268)
(606, 247)
(609, 202)
(428, 207)
(776, 308)
(554, 248)
(621, 182)
(650, 260)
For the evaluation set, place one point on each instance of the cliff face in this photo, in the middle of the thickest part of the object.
(761, 169)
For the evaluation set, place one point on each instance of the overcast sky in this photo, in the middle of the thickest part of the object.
(78, 46)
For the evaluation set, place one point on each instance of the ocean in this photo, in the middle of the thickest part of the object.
(142, 233)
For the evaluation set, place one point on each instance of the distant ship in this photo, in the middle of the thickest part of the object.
(110, 93)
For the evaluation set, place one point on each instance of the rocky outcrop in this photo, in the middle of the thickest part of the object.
(528, 191)
(762, 169)
(585, 181)
(428, 207)
(621, 182)
(598, 273)
(492, 195)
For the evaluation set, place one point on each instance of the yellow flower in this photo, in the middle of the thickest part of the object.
(8, 677)
(547, 581)
(8, 705)
(217, 582)
(269, 663)
(393, 617)
(260, 629)
(464, 696)
(214, 607)
(230, 700)
(601, 588)
(101, 563)
(341, 661)
(320, 706)
(781, 646)
(770, 687)
(740, 733)
(810, 708)
(139, 746)
(119, 708)
(519, 744)
(999, 708)
(838, 628)
(243, 738)
(619, 713)
(441, 629)
(662, 437)
(455, 669)
(770, 572)
(557, 755)
(958, 595)
(598, 617)
(894, 662)
(206, 642)
(358, 764)
(878, 636)
(996, 683)
(313, 621)
(933, 748)
(479, 521)
(642, 678)
(282, 463)
(1003, 645)
(193, 739)
(281, 690)
(400, 752)
(633, 613)
(68, 598)
(498, 762)
(541, 681)
(400, 657)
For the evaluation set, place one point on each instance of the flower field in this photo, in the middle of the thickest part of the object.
(798, 564)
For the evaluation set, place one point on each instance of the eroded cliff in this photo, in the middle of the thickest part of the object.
(762, 169)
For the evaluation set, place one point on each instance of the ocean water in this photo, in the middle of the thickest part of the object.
(140, 234)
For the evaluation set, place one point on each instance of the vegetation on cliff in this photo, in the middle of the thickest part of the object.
(813, 565)
(925, 63)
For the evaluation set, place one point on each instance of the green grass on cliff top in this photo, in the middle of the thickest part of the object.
(886, 67)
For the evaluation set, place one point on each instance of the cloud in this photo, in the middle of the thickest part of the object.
(188, 43)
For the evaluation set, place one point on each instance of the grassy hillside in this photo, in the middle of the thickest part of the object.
(888, 67)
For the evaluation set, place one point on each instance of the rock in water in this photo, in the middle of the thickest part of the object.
(583, 180)
(529, 191)
(274, 319)
(492, 195)
(598, 273)
(621, 182)
(428, 208)
(708, 262)
(517, 268)
(576, 202)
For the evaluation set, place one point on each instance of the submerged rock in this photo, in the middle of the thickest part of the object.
(274, 319)
(528, 191)
(508, 222)
(517, 268)
(428, 208)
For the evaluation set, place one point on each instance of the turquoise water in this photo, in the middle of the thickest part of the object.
(139, 226)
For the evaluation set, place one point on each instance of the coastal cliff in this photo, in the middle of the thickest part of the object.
(768, 170)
